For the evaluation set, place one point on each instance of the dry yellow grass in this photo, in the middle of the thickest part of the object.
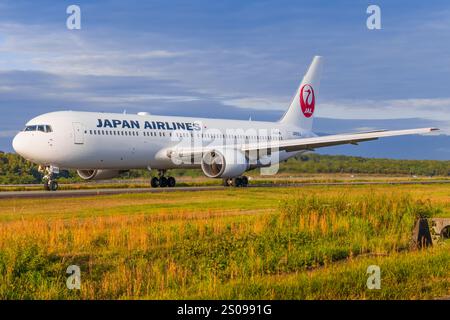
(208, 244)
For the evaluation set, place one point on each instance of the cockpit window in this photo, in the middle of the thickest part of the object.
(42, 128)
(30, 128)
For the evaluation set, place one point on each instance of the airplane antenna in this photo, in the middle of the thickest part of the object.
(124, 111)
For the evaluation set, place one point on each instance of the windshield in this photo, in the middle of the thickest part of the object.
(42, 128)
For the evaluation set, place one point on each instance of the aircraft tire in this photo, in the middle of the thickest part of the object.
(171, 182)
(154, 182)
(52, 185)
(163, 182)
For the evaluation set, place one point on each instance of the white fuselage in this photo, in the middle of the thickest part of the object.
(91, 140)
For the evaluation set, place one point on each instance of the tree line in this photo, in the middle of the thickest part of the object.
(16, 170)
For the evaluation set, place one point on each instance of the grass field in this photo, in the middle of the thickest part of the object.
(311, 242)
(255, 178)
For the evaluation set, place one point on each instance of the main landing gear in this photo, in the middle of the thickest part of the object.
(236, 182)
(162, 181)
(50, 183)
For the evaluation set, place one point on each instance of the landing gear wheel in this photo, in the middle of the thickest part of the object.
(171, 182)
(52, 185)
(154, 182)
(163, 182)
(237, 182)
(49, 178)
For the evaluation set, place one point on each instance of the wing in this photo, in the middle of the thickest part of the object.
(332, 140)
(299, 144)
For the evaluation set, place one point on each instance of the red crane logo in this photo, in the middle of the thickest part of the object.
(307, 100)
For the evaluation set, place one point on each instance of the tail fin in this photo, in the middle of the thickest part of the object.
(301, 110)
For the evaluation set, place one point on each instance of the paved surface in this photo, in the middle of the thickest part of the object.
(98, 192)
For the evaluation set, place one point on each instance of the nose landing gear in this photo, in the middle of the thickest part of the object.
(50, 183)
(162, 181)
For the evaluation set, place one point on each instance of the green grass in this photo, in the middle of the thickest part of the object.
(262, 243)
(411, 275)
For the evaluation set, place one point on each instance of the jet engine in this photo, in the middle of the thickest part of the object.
(94, 174)
(225, 163)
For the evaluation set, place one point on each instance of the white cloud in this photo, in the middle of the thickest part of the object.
(140, 98)
(437, 109)
(24, 47)
(158, 54)
(433, 109)
(257, 103)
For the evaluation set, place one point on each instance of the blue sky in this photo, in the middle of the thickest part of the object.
(231, 59)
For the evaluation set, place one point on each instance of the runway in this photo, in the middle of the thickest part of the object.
(103, 192)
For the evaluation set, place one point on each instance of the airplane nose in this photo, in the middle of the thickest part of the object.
(18, 144)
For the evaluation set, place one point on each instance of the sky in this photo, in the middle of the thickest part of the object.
(232, 59)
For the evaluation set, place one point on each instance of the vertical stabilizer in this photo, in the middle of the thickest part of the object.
(303, 105)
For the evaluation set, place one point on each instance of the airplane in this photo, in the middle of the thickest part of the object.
(103, 145)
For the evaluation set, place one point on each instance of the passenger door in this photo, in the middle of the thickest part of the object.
(78, 133)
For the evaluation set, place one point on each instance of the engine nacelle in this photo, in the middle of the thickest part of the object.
(224, 163)
(94, 174)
